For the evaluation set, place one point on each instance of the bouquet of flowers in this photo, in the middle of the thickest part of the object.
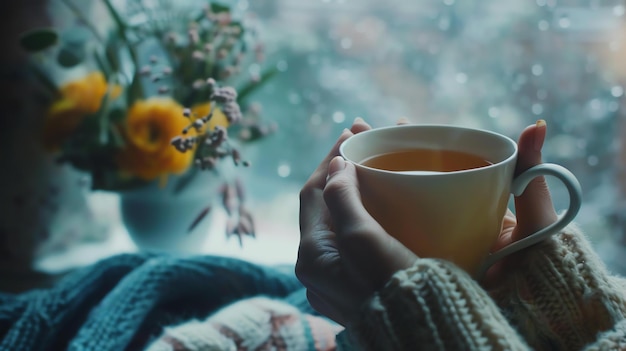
(157, 92)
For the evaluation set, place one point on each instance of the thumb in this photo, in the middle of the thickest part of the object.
(363, 243)
(343, 199)
(534, 208)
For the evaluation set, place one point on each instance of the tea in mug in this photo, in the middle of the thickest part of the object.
(426, 160)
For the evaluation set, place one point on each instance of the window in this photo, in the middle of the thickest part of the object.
(498, 65)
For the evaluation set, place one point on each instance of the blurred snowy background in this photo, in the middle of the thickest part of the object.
(493, 64)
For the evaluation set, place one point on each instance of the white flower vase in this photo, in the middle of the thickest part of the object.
(158, 218)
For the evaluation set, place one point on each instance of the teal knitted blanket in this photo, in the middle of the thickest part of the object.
(122, 303)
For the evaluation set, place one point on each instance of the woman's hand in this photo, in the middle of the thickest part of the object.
(345, 256)
(534, 208)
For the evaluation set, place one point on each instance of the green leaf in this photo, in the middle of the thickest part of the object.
(80, 16)
(39, 39)
(122, 28)
(252, 86)
(103, 119)
(135, 91)
(70, 56)
(102, 66)
(111, 53)
(121, 25)
(219, 8)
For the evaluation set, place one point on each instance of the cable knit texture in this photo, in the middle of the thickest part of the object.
(564, 298)
(560, 298)
(124, 303)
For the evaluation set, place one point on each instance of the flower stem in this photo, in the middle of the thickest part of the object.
(81, 16)
(121, 29)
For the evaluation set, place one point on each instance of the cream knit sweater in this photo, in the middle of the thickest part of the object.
(562, 298)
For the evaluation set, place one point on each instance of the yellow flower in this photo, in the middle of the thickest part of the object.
(79, 98)
(202, 110)
(150, 127)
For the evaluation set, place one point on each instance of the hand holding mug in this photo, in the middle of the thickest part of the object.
(346, 255)
(534, 208)
(413, 177)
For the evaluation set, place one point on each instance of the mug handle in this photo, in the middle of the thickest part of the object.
(517, 188)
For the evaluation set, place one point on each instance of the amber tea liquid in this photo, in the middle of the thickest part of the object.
(426, 160)
(450, 243)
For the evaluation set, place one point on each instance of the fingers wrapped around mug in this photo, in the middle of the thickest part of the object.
(319, 265)
(367, 249)
(534, 208)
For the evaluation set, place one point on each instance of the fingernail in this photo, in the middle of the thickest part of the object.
(358, 120)
(540, 134)
(336, 164)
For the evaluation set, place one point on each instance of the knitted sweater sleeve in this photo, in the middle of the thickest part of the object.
(562, 298)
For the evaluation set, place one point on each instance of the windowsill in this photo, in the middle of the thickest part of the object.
(276, 242)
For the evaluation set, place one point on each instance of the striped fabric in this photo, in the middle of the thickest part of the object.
(257, 323)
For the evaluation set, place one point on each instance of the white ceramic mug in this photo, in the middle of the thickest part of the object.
(454, 215)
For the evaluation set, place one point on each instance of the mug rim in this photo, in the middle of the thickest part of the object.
(434, 126)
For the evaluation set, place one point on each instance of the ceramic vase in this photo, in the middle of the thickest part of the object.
(158, 217)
